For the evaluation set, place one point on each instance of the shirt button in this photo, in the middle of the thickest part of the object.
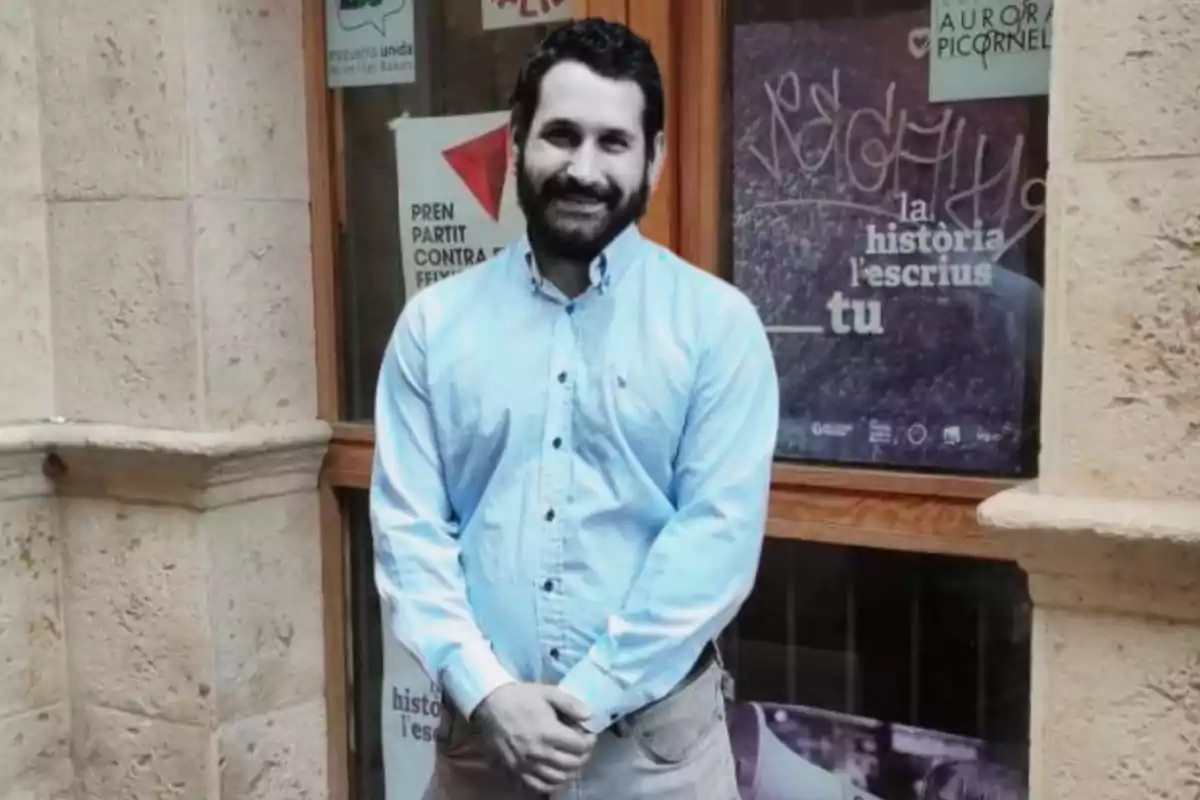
(554, 653)
(570, 308)
(562, 377)
(550, 515)
(557, 442)
(548, 586)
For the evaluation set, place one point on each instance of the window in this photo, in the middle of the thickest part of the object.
(892, 244)
(856, 652)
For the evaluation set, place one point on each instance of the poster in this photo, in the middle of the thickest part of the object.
(885, 242)
(790, 752)
(411, 708)
(369, 42)
(514, 13)
(458, 202)
(989, 48)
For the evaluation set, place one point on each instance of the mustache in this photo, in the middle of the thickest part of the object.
(564, 187)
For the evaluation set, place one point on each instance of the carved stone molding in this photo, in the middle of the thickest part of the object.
(191, 469)
(21, 474)
(1119, 556)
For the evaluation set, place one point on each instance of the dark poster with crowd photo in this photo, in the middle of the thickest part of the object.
(886, 241)
(865, 674)
(788, 752)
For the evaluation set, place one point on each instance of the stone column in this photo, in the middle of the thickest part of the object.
(1110, 533)
(194, 613)
(159, 446)
(34, 712)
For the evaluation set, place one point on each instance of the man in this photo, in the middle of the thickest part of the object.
(574, 446)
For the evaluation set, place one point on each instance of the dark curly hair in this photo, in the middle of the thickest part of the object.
(607, 48)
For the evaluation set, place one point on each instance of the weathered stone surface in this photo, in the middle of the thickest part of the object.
(131, 757)
(246, 90)
(1122, 389)
(32, 649)
(255, 286)
(277, 756)
(26, 379)
(1117, 707)
(266, 604)
(189, 469)
(20, 129)
(1126, 79)
(136, 607)
(113, 101)
(124, 321)
(35, 755)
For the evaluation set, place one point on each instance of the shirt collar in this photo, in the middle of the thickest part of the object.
(604, 271)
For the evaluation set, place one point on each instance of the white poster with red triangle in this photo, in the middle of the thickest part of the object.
(458, 201)
(515, 13)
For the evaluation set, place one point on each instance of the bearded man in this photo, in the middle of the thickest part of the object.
(573, 451)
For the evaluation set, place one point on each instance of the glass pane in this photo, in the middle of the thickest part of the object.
(896, 674)
(893, 245)
(461, 69)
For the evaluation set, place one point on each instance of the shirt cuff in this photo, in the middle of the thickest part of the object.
(471, 674)
(604, 698)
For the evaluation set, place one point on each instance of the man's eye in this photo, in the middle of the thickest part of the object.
(560, 137)
(614, 143)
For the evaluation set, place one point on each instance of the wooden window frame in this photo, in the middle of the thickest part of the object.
(848, 506)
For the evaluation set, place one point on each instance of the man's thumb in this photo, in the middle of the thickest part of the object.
(568, 706)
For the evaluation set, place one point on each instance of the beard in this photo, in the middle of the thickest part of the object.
(580, 244)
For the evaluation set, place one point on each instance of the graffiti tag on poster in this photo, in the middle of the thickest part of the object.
(862, 212)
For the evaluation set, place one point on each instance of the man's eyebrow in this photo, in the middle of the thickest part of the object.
(607, 130)
(555, 122)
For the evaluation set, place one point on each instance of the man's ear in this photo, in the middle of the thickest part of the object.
(514, 146)
(659, 146)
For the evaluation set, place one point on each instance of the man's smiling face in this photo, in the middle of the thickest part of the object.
(584, 169)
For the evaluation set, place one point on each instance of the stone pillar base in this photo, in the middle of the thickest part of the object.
(165, 638)
(35, 724)
(1116, 648)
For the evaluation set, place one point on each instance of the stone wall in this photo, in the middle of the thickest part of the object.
(1110, 533)
(160, 583)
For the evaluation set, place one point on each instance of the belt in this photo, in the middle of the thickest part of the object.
(708, 656)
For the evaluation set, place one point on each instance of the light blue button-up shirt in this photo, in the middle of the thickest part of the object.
(572, 491)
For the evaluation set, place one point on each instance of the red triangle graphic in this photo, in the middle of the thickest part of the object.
(482, 164)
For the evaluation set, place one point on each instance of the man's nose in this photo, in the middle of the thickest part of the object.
(584, 166)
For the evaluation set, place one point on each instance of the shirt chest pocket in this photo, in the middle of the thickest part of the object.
(644, 404)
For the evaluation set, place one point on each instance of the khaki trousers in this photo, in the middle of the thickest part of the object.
(675, 749)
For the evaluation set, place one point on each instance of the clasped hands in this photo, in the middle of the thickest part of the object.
(533, 729)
